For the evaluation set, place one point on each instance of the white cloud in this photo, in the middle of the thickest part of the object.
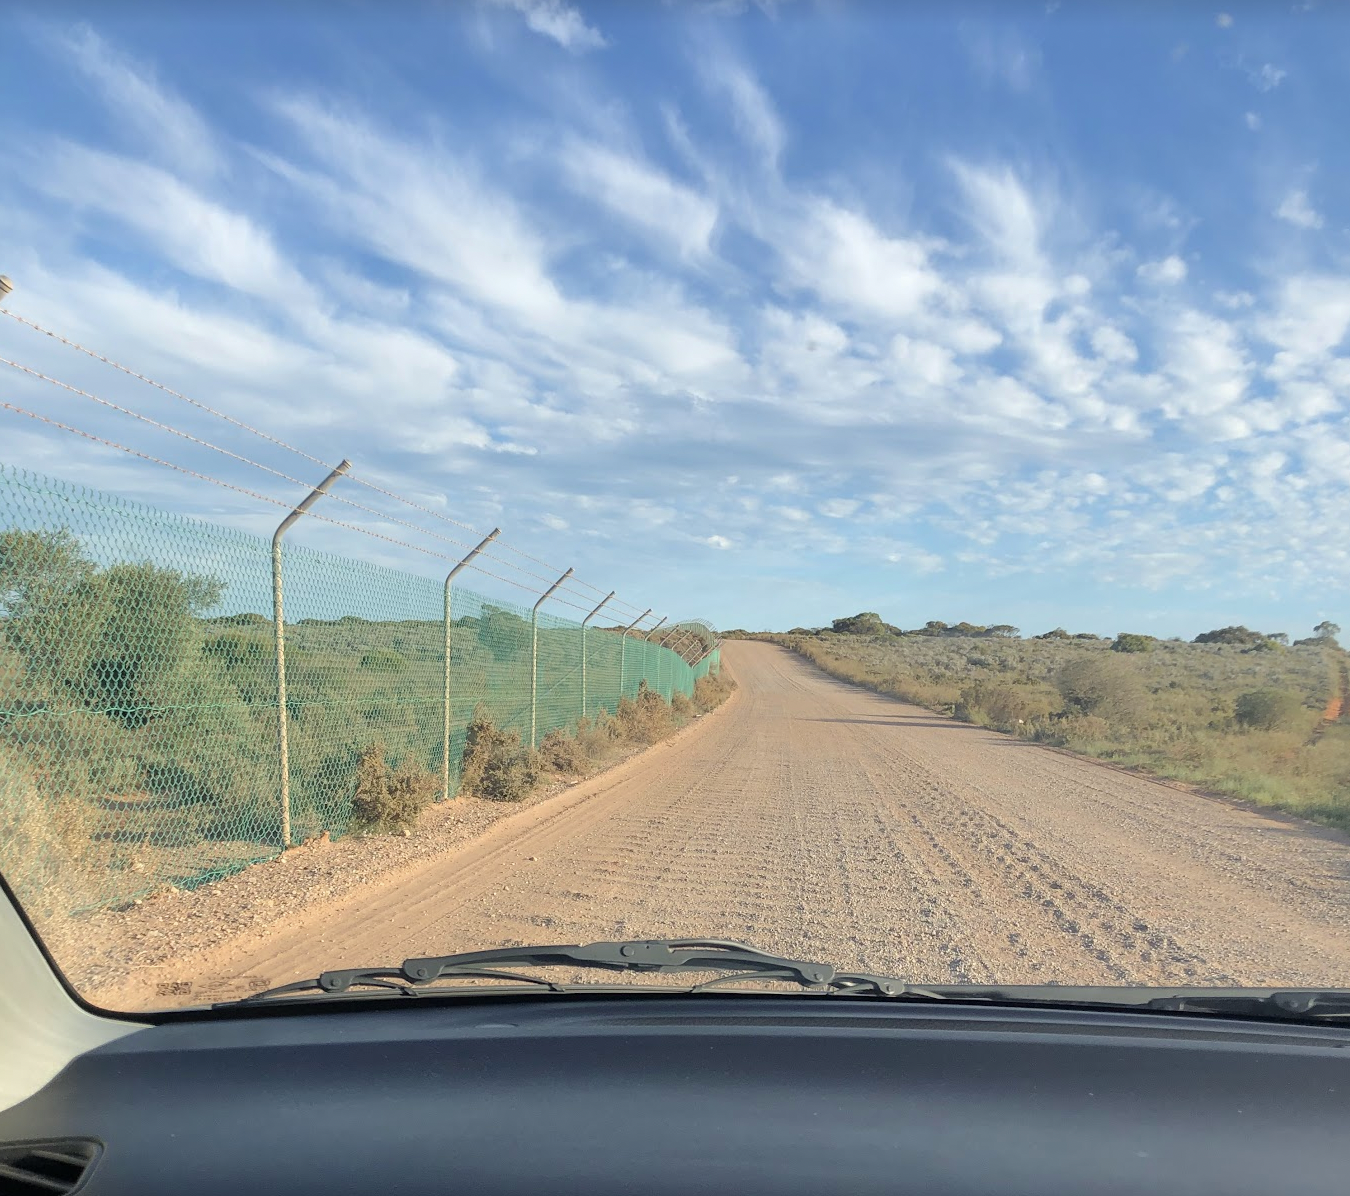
(1253, 120)
(916, 560)
(1296, 209)
(718, 542)
(199, 236)
(559, 21)
(1001, 210)
(752, 111)
(1266, 77)
(1167, 272)
(554, 522)
(839, 508)
(1224, 20)
(168, 127)
(846, 259)
(642, 195)
(1113, 345)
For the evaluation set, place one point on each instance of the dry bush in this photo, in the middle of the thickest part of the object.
(1006, 707)
(1105, 686)
(646, 719)
(711, 690)
(682, 706)
(497, 765)
(388, 799)
(46, 848)
(563, 753)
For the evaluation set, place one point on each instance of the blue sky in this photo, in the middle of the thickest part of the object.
(1028, 314)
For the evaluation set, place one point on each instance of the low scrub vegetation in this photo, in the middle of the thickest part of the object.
(389, 799)
(1237, 711)
(498, 766)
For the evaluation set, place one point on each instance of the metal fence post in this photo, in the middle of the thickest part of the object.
(279, 626)
(623, 644)
(648, 639)
(651, 633)
(534, 658)
(584, 621)
(445, 736)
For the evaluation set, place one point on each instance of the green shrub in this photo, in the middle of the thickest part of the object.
(1267, 709)
(1103, 686)
(1127, 641)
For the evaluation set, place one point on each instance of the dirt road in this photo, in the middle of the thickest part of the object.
(828, 823)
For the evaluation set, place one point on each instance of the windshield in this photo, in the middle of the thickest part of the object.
(865, 482)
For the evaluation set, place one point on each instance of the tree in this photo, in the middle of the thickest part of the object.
(1057, 633)
(124, 639)
(1005, 631)
(1327, 630)
(1229, 635)
(52, 609)
(966, 629)
(150, 639)
(504, 634)
(1127, 641)
(864, 623)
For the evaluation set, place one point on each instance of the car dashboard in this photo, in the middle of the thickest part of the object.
(659, 1094)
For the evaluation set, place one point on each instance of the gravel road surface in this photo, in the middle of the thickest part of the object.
(815, 819)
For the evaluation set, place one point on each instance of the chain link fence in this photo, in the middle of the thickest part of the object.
(140, 731)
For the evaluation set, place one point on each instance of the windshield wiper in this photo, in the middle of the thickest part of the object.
(1327, 1006)
(664, 956)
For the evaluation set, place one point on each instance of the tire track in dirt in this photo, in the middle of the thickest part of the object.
(819, 820)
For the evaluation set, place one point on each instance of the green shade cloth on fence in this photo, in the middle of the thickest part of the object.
(139, 722)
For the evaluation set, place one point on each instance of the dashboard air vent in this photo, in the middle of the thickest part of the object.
(45, 1168)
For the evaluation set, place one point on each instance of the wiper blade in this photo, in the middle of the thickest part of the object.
(1307, 1005)
(662, 956)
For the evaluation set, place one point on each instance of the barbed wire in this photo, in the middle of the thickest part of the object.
(244, 490)
(276, 440)
(188, 436)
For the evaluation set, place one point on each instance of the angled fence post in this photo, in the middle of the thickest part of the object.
(445, 736)
(534, 658)
(623, 645)
(645, 653)
(279, 627)
(584, 621)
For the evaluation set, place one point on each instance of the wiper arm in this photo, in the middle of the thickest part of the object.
(665, 956)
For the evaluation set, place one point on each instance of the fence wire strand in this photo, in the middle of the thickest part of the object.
(275, 440)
